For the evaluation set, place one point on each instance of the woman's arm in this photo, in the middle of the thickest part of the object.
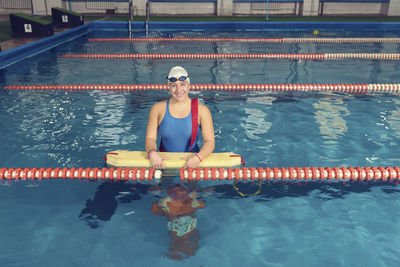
(157, 210)
(151, 136)
(207, 131)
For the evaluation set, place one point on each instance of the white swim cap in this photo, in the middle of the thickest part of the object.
(177, 72)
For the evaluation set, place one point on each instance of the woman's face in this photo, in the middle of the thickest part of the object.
(179, 90)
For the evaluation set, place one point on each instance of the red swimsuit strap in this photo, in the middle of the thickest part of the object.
(195, 121)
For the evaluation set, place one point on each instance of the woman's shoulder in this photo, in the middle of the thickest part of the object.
(203, 109)
(159, 105)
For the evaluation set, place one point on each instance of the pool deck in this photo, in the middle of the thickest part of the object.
(16, 42)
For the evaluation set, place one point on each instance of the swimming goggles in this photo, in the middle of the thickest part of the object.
(173, 79)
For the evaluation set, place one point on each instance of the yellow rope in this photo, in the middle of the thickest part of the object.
(247, 195)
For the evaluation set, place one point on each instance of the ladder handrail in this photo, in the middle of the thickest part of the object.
(130, 18)
(147, 18)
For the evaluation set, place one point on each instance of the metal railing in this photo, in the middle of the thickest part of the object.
(130, 18)
(147, 18)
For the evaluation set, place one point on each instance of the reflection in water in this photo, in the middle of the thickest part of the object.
(106, 199)
(110, 110)
(180, 204)
(394, 118)
(326, 191)
(3, 76)
(255, 123)
(41, 122)
(49, 120)
(329, 114)
(179, 207)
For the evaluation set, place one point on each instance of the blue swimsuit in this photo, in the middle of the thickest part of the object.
(175, 133)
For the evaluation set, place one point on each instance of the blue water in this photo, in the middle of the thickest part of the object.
(287, 224)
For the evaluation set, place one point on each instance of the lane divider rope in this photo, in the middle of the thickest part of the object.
(77, 173)
(293, 173)
(311, 56)
(343, 88)
(253, 40)
(289, 173)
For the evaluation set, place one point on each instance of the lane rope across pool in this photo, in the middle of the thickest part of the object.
(252, 40)
(261, 173)
(343, 88)
(310, 56)
(77, 173)
(293, 173)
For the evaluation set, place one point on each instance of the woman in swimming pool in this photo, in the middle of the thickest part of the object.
(178, 121)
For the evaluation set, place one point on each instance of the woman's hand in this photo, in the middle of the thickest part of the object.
(157, 160)
(192, 162)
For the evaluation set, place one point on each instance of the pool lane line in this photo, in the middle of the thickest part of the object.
(308, 56)
(294, 173)
(389, 174)
(342, 88)
(77, 173)
(252, 40)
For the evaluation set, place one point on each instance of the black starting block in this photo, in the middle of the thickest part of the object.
(65, 18)
(23, 25)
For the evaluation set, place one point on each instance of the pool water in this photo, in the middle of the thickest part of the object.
(66, 223)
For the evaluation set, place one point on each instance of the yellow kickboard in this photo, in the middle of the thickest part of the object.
(137, 159)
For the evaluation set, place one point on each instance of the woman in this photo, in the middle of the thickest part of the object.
(172, 119)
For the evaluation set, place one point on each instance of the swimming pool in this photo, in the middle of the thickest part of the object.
(287, 224)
